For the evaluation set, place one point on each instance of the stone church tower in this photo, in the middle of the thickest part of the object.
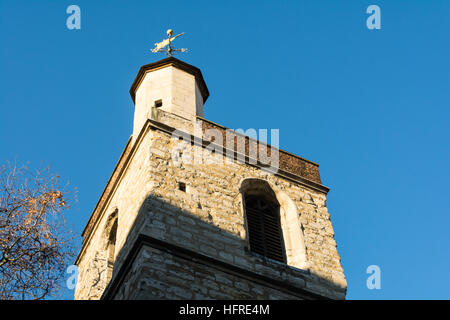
(192, 212)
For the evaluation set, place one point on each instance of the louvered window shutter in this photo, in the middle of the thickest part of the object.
(263, 223)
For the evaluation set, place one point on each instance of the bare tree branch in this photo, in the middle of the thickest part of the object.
(35, 243)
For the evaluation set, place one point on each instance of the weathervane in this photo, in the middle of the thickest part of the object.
(159, 46)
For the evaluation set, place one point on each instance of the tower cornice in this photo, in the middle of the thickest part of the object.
(170, 61)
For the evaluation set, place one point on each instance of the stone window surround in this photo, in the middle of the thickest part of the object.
(294, 244)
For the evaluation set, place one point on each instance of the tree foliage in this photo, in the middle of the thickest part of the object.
(36, 246)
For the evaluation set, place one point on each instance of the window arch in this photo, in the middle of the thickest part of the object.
(111, 236)
(262, 217)
(291, 230)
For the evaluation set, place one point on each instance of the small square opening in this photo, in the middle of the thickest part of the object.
(182, 186)
(158, 103)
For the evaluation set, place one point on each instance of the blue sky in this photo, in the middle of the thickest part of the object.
(370, 106)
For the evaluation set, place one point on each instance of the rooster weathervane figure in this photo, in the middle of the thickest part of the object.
(160, 46)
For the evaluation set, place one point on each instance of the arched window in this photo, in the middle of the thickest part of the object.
(262, 214)
(111, 234)
(272, 222)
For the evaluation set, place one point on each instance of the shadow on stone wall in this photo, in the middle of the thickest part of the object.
(171, 253)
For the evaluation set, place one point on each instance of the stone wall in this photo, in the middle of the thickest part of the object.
(160, 275)
(208, 219)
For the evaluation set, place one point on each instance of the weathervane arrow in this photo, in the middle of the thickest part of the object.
(161, 46)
